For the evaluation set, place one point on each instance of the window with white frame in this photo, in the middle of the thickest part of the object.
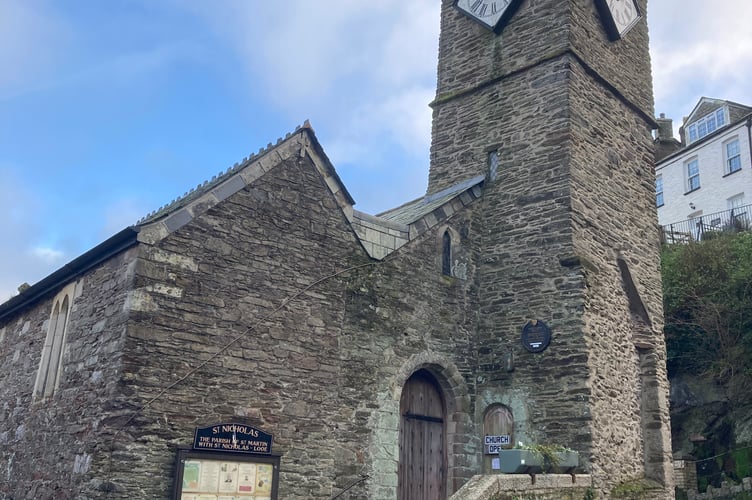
(693, 174)
(732, 154)
(50, 365)
(707, 125)
(659, 191)
(692, 133)
(735, 202)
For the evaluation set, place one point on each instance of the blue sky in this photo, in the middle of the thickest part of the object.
(110, 109)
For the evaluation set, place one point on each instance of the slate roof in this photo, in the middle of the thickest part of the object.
(736, 109)
(380, 234)
(387, 232)
(740, 113)
(175, 214)
(221, 177)
(414, 210)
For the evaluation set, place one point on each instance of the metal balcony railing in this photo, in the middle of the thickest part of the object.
(707, 226)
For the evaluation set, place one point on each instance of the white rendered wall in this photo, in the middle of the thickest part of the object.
(715, 186)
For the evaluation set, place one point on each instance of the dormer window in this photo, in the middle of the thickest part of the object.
(707, 125)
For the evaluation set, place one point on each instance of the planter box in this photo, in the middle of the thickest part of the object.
(530, 462)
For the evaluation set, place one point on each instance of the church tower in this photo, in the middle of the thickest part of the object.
(389, 356)
(552, 101)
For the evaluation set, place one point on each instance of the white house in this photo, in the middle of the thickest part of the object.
(704, 182)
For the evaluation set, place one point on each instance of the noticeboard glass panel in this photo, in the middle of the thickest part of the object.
(221, 476)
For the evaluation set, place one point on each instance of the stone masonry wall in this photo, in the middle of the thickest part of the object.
(727, 490)
(614, 218)
(568, 236)
(625, 64)
(470, 59)
(229, 275)
(403, 315)
(525, 272)
(524, 237)
(48, 447)
(322, 374)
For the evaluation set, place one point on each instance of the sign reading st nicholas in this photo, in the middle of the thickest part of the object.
(227, 460)
(236, 438)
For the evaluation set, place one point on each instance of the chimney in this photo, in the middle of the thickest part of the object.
(665, 144)
(683, 133)
(665, 128)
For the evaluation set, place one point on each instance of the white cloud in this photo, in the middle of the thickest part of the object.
(48, 255)
(21, 259)
(364, 73)
(407, 117)
(403, 120)
(409, 52)
(700, 49)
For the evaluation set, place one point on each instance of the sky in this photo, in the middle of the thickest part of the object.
(111, 109)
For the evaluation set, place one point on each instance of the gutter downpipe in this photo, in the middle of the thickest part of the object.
(749, 136)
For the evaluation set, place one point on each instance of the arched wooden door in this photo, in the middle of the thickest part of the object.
(422, 462)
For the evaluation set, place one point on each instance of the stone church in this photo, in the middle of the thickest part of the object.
(519, 298)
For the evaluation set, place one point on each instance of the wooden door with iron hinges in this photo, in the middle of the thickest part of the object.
(422, 462)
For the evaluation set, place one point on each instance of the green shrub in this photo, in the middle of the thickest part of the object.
(707, 294)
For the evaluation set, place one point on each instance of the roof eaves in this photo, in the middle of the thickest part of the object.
(699, 104)
(302, 142)
(705, 139)
(383, 234)
(100, 253)
(316, 145)
(177, 213)
(216, 180)
(416, 209)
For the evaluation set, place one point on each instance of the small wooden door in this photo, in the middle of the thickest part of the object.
(422, 463)
(498, 421)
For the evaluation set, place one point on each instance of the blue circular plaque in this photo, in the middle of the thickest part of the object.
(536, 336)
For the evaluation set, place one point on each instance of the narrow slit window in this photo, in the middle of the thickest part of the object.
(493, 164)
(446, 254)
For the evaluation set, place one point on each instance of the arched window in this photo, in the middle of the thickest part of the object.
(446, 254)
(50, 365)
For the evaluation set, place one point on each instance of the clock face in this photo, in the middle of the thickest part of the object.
(620, 16)
(487, 12)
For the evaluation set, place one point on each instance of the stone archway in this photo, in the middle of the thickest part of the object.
(385, 424)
